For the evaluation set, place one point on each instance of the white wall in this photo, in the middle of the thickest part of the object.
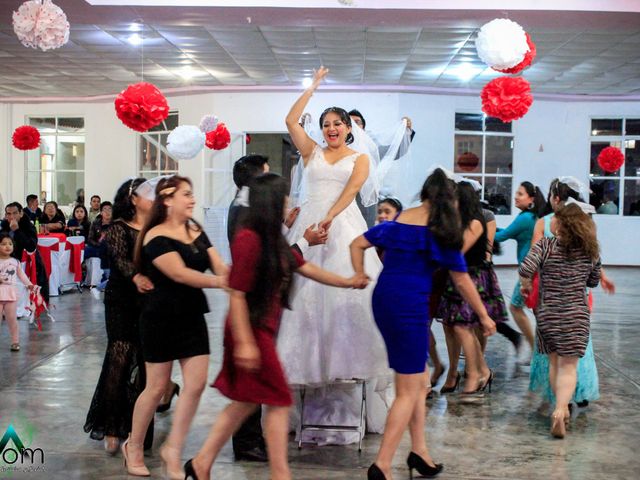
(561, 127)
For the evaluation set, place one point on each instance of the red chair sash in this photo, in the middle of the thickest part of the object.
(29, 258)
(75, 262)
(45, 254)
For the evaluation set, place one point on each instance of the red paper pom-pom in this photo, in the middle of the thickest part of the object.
(468, 161)
(610, 159)
(526, 61)
(26, 138)
(218, 139)
(247, 138)
(141, 106)
(506, 98)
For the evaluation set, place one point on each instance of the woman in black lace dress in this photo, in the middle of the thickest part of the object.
(123, 374)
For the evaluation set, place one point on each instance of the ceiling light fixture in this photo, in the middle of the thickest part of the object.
(135, 27)
(464, 71)
(307, 82)
(135, 39)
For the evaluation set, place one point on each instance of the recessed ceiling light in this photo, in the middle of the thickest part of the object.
(464, 71)
(134, 39)
(306, 82)
(188, 73)
(135, 27)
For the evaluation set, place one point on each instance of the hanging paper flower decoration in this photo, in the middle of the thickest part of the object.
(506, 98)
(185, 142)
(141, 106)
(26, 138)
(41, 24)
(208, 123)
(528, 59)
(247, 138)
(468, 161)
(610, 159)
(219, 139)
(501, 43)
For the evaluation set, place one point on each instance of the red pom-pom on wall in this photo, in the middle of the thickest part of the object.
(506, 98)
(247, 138)
(526, 61)
(610, 159)
(218, 139)
(141, 106)
(26, 138)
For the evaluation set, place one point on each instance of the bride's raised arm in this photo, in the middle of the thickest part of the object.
(356, 180)
(302, 141)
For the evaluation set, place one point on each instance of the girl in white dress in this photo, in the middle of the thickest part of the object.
(329, 334)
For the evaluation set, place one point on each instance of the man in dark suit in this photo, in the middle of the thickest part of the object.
(24, 235)
(32, 210)
(248, 441)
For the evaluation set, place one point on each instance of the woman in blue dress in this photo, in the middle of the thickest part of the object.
(420, 240)
(587, 389)
(531, 202)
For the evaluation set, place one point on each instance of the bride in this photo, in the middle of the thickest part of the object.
(329, 334)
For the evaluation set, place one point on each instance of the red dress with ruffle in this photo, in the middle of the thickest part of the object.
(268, 385)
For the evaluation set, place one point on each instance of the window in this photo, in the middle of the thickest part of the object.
(483, 151)
(617, 192)
(153, 157)
(55, 171)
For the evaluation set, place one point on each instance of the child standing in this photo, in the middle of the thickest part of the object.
(568, 264)
(10, 270)
(260, 281)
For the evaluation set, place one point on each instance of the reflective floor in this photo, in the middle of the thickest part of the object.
(46, 388)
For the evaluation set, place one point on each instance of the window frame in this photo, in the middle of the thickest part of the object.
(622, 139)
(159, 150)
(54, 171)
(480, 176)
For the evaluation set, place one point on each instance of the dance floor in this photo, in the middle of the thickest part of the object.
(45, 391)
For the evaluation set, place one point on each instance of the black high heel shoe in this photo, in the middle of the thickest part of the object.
(415, 462)
(488, 382)
(163, 407)
(374, 473)
(189, 471)
(454, 388)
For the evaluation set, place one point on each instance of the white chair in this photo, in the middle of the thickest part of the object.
(23, 297)
(94, 272)
(53, 245)
(67, 277)
(360, 428)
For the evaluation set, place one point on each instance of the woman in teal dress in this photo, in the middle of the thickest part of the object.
(587, 388)
(531, 202)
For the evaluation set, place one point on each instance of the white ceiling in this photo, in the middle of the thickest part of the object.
(592, 53)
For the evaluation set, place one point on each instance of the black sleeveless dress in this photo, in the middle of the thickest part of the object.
(172, 324)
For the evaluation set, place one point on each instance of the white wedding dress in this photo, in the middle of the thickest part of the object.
(329, 334)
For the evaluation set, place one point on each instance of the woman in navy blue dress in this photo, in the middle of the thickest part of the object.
(420, 240)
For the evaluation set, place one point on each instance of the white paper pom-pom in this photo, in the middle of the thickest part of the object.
(208, 123)
(501, 44)
(185, 142)
(41, 25)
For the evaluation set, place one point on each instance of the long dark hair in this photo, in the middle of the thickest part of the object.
(123, 207)
(344, 116)
(166, 188)
(267, 194)
(539, 202)
(468, 204)
(444, 218)
(563, 191)
(85, 221)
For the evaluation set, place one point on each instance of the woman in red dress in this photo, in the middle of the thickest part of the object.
(251, 374)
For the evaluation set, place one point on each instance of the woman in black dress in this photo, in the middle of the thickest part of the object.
(122, 377)
(175, 252)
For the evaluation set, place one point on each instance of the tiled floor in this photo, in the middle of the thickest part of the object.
(45, 391)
